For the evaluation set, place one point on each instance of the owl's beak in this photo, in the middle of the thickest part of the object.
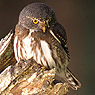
(44, 26)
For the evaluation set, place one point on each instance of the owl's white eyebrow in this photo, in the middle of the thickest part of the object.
(32, 18)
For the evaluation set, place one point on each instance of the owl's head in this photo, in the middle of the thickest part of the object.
(37, 16)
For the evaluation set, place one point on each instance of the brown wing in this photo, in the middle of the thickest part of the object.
(60, 34)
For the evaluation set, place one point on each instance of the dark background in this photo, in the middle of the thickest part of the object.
(77, 16)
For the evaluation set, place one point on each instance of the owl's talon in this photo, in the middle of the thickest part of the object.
(40, 70)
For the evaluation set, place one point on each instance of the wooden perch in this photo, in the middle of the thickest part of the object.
(25, 77)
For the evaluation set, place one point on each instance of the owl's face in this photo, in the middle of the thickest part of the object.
(37, 17)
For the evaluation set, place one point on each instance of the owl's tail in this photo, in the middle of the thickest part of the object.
(71, 80)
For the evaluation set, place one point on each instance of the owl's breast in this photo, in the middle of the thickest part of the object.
(44, 49)
(38, 50)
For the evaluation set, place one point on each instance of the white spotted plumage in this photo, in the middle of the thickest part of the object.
(41, 53)
(47, 53)
(15, 48)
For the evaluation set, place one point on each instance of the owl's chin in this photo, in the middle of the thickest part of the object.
(35, 30)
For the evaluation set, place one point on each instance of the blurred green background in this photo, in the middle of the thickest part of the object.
(77, 16)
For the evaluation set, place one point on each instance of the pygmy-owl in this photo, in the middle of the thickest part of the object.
(38, 35)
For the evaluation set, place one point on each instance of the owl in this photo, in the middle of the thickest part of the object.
(40, 36)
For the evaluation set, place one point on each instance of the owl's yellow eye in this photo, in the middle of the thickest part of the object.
(35, 21)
